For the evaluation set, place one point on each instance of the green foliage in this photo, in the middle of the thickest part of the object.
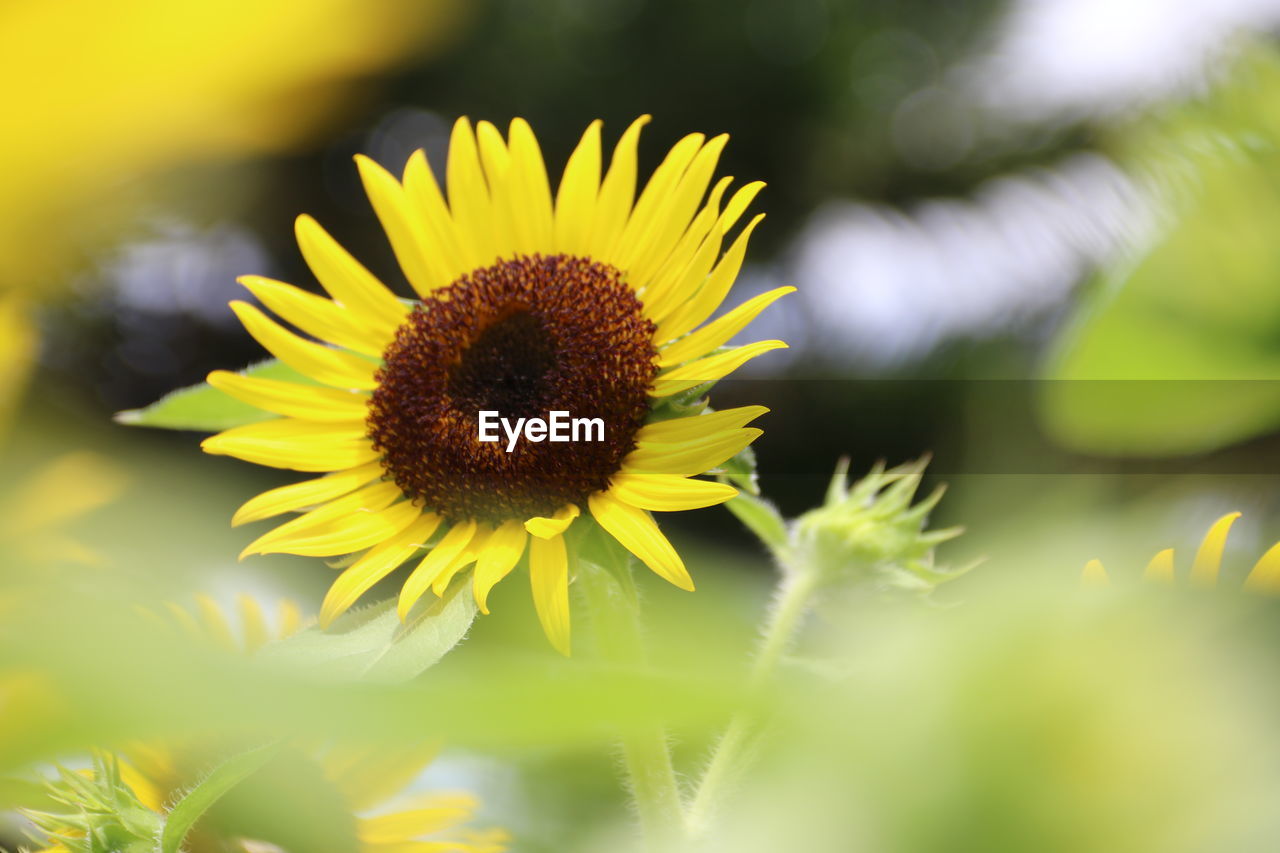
(206, 409)
(1192, 327)
(220, 781)
(105, 815)
(373, 645)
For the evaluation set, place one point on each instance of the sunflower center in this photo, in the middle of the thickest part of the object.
(523, 338)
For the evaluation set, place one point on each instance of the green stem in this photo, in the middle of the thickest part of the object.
(791, 601)
(615, 610)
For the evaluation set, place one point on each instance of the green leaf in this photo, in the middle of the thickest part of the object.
(761, 518)
(206, 409)
(212, 788)
(373, 645)
(741, 471)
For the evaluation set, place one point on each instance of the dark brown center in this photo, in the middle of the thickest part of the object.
(523, 338)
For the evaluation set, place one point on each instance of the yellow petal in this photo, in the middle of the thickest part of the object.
(346, 280)
(317, 316)
(308, 493)
(369, 777)
(1160, 569)
(674, 213)
(323, 364)
(738, 204)
(549, 578)
(296, 444)
(710, 368)
(1204, 571)
(350, 513)
(713, 291)
(638, 533)
(656, 193)
(1094, 574)
(308, 402)
(214, 623)
(381, 560)
(687, 267)
(469, 197)
(617, 191)
(690, 457)
(450, 546)
(253, 622)
(504, 219)
(546, 528)
(289, 617)
(1265, 576)
(434, 813)
(429, 206)
(405, 231)
(529, 185)
(460, 561)
(694, 427)
(668, 492)
(719, 331)
(497, 559)
(576, 198)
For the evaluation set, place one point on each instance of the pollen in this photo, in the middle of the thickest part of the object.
(523, 337)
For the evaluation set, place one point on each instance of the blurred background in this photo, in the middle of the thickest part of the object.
(1035, 238)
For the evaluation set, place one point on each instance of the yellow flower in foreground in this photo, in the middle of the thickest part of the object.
(1264, 577)
(369, 781)
(591, 302)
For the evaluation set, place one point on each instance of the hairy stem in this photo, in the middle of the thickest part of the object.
(791, 601)
(615, 611)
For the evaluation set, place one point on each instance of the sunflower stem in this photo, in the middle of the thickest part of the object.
(790, 604)
(651, 778)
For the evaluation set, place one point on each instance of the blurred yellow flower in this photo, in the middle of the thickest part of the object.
(589, 305)
(1264, 577)
(104, 94)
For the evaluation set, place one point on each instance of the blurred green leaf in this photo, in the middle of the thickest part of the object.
(1193, 327)
(761, 518)
(372, 644)
(206, 409)
(212, 788)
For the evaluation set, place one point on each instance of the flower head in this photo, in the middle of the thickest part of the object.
(590, 306)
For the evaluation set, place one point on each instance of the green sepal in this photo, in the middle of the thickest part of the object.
(220, 781)
(203, 408)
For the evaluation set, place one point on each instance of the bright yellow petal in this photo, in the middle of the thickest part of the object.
(617, 191)
(675, 213)
(576, 198)
(638, 533)
(405, 231)
(460, 561)
(546, 528)
(317, 316)
(529, 185)
(323, 364)
(1264, 577)
(347, 281)
(299, 445)
(450, 546)
(713, 291)
(469, 197)
(695, 427)
(668, 492)
(684, 270)
(719, 331)
(1160, 569)
(549, 578)
(656, 193)
(374, 566)
(690, 457)
(309, 402)
(499, 557)
(308, 493)
(504, 219)
(710, 368)
(429, 206)
(738, 204)
(433, 813)
(1204, 571)
(350, 514)
(1094, 574)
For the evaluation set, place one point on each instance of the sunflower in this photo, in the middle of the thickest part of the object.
(1263, 578)
(593, 304)
(368, 784)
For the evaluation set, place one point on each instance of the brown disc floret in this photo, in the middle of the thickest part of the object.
(523, 338)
